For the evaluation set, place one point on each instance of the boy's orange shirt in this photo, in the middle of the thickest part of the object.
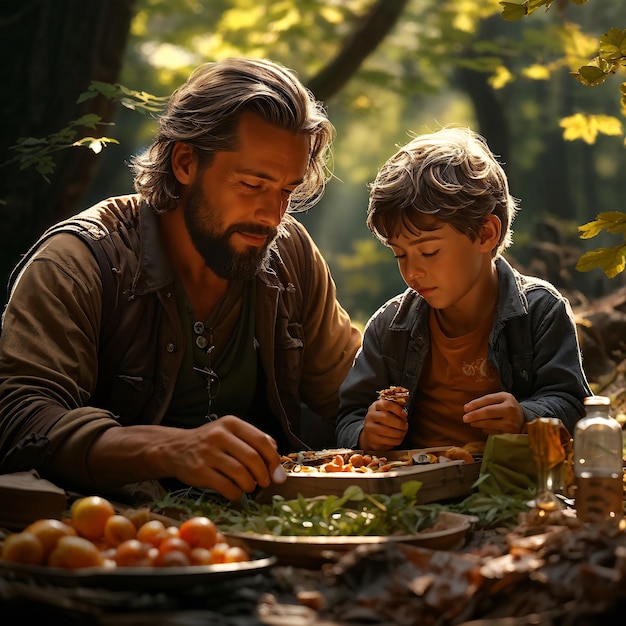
(455, 371)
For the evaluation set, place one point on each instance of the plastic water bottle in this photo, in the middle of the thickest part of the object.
(598, 463)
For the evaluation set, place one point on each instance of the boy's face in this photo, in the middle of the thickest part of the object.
(443, 265)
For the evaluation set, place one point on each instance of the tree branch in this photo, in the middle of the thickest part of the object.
(374, 27)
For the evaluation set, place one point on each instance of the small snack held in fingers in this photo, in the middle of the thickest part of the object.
(399, 395)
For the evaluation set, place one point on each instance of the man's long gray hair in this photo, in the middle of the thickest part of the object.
(204, 113)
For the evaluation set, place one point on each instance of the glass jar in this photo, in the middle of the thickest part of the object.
(544, 437)
(598, 463)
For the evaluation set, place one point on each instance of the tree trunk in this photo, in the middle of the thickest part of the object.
(491, 115)
(52, 51)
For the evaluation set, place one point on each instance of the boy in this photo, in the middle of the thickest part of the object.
(482, 349)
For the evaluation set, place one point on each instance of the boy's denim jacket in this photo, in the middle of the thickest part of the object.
(533, 343)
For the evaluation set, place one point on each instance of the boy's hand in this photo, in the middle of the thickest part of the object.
(495, 414)
(385, 426)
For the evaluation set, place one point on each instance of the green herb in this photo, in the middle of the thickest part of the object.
(354, 513)
(492, 511)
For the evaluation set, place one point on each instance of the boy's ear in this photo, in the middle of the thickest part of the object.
(184, 163)
(490, 230)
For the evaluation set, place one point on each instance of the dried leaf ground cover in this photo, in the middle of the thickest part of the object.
(553, 572)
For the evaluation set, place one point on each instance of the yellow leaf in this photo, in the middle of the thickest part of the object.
(587, 127)
(512, 11)
(331, 14)
(576, 127)
(590, 230)
(611, 260)
(612, 44)
(96, 147)
(536, 72)
(501, 77)
(607, 124)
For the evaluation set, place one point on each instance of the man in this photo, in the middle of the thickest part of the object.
(131, 327)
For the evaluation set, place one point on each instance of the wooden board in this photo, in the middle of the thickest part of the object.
(440, 481)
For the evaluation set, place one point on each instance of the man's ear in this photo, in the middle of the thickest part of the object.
(490, 230)
(184, 163)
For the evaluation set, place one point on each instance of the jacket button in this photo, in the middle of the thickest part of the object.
(170, 347)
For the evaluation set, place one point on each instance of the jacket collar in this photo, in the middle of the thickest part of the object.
(154, 271)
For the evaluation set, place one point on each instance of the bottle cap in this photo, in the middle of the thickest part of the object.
(597, 401)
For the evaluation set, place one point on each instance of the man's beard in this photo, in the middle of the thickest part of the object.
(213, 244)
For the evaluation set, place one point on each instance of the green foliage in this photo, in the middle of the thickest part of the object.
(610, 59)
(611, 56)
(37, 152)
(369, 276)
(492, 511)
(513, 11)
(139, 101)
(354, 513)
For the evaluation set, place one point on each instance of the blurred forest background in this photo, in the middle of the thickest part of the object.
(385, 69)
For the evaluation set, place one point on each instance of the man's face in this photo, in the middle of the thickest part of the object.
(234, 206)
(212, 239)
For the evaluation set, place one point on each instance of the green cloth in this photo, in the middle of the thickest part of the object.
(508, 467)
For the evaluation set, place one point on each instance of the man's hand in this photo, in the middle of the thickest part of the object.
(495, 414)
(227, 455)
(385, 426)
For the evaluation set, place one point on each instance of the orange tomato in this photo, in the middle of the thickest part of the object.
(75, 552)
(172, 531)
(152, 532)
(119, 529)
(133, 553)
(90, 515)
(173, 558)
(236, 554)
(49, 531)
(170, 544)
(201, 556)
(218, 552)
(23, 548)
(198, 532)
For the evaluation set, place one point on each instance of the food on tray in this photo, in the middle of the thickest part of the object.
(94, 535)
(423, 458)
(467, 454)
(399, 395)
(475, 448)
(456, 453)
(341, 460)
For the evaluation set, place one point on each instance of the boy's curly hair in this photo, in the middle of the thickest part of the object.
(448, 176)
